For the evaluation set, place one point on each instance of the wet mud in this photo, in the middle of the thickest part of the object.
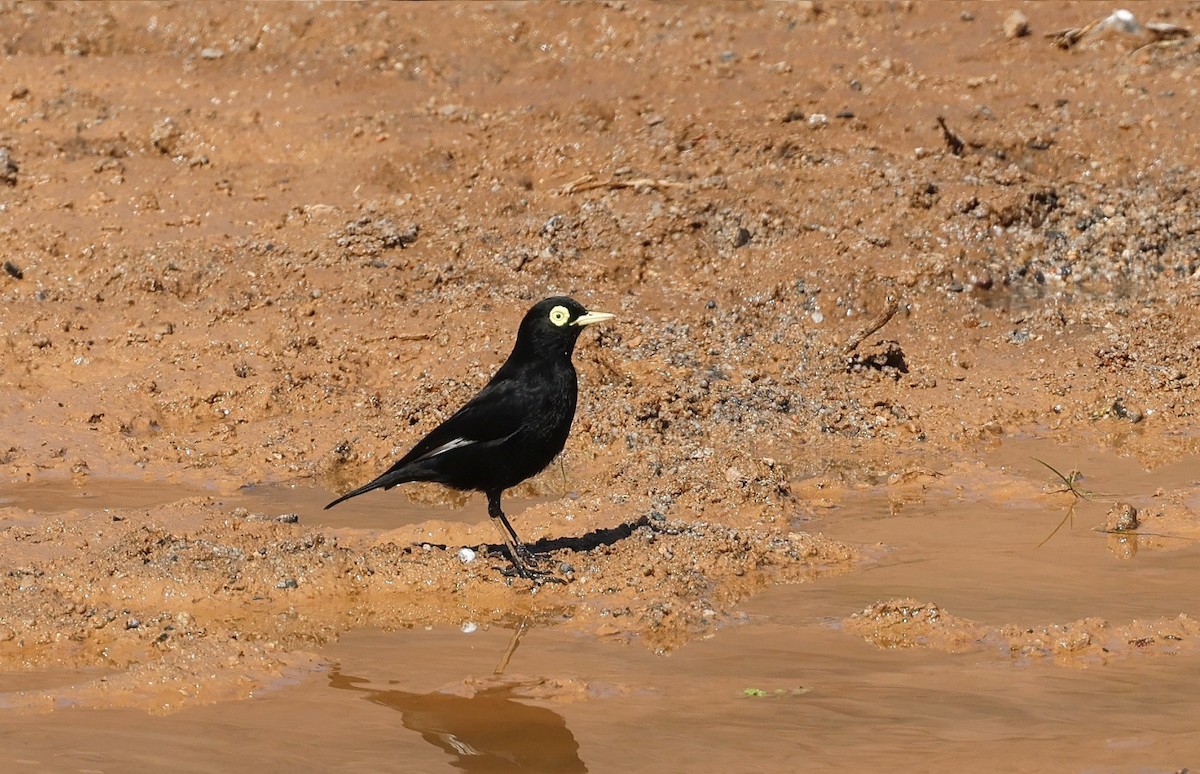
(889, 459)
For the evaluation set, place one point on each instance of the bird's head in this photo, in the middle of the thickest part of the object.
(553, 325)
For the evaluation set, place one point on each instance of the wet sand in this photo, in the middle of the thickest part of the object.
(846, 478)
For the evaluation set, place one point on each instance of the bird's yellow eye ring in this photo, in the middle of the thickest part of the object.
(559, 316)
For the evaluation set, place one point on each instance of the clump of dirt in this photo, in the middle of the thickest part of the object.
(908, 623)
(244, 598)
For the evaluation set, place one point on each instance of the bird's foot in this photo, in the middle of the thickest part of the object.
(520, 569)
(527, 557)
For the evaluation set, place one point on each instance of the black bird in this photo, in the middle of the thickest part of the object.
(513, 428)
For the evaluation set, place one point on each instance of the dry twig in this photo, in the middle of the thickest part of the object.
(1121, 21)
(953, 141)
(1066, 39)
(893, 306)
(1165, 36)
(589, 182)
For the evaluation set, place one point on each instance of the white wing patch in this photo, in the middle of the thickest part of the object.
(457, 443)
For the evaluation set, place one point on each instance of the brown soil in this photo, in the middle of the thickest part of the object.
(274, 244)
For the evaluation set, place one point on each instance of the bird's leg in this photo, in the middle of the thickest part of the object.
(527, 556)
(524, 562)
(516, 549)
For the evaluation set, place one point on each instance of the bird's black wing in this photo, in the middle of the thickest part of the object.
(492, 415)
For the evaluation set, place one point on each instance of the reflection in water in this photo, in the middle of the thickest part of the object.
(1122, 545)
(512, 647)
(487, 732)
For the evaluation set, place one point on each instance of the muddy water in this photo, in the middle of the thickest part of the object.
(789, 687)
(57, 495)
(377, 510)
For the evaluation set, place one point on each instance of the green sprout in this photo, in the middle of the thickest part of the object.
(1070, 483)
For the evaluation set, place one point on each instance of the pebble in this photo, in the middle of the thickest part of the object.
(8, 167)
(1016, 25)
(1129, 413)
(166, 136)
(1122, 517)
(466, 555)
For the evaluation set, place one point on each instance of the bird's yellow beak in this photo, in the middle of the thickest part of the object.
(592, 317)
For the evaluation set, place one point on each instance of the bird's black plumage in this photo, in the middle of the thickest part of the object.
(513, 428)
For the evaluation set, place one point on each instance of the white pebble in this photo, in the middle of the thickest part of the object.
(469, 628)
(466, 556)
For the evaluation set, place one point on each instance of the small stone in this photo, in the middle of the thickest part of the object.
(1122, 517)
(1123, 21)
(165, 136)
(1016, 25)
(287, 583)
(8, 167)
(288, 518)
(466, 555)
(1020, 336)
(1122, 410)
(211, 53)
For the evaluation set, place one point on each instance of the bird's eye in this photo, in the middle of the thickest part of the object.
(559, 316)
